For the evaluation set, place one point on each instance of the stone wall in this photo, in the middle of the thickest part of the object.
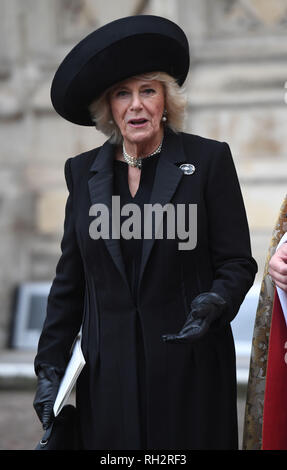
(236, 94)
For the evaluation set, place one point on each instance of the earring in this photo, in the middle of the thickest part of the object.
(164, 118)
(111, 121)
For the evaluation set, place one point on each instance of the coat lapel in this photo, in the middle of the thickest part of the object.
(101, 191)
(167, 179)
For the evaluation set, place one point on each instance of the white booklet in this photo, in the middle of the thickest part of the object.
(72, 372)
(281, 293)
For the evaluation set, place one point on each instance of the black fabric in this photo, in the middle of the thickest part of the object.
(132, 248)
(63, 432)
(132, 252)
(190, 399)
(116, 51)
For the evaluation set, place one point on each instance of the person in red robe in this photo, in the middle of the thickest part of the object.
(265, 422)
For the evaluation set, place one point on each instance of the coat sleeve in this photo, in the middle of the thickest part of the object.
(66, 298)
(233, 267)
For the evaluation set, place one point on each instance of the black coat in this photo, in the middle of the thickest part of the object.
(189, 390)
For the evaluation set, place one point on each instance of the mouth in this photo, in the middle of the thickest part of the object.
(137, 122)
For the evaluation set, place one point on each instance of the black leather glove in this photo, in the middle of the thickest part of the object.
(49, 378)
(205, 309)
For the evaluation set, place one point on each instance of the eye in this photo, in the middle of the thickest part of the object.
(121, 93)
(148, 91)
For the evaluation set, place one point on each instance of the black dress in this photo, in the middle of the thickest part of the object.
(132, 248)
(131, 252)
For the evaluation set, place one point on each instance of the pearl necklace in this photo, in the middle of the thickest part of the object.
(137, 162)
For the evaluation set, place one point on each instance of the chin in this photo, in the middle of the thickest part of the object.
(141, 137)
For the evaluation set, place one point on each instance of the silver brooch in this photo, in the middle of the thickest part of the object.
(187, 168)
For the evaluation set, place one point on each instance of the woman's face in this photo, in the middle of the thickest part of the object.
(137, 107)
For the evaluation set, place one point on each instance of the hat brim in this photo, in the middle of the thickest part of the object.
(121, 49)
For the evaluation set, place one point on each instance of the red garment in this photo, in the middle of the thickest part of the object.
(274, 436)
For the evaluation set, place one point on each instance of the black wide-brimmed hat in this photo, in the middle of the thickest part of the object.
(119, 50)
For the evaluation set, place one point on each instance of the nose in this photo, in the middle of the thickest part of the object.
(136, 103)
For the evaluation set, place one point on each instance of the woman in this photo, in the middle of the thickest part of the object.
(156, 306)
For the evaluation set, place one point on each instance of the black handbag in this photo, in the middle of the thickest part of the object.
(62, 434)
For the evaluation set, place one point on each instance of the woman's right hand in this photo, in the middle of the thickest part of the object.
(49, 378)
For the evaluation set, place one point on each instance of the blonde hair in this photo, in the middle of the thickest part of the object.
(175, 103)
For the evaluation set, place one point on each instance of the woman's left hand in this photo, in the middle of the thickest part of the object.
(205, 309)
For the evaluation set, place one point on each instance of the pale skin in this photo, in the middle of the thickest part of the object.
(137, 107)
(278, 267)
